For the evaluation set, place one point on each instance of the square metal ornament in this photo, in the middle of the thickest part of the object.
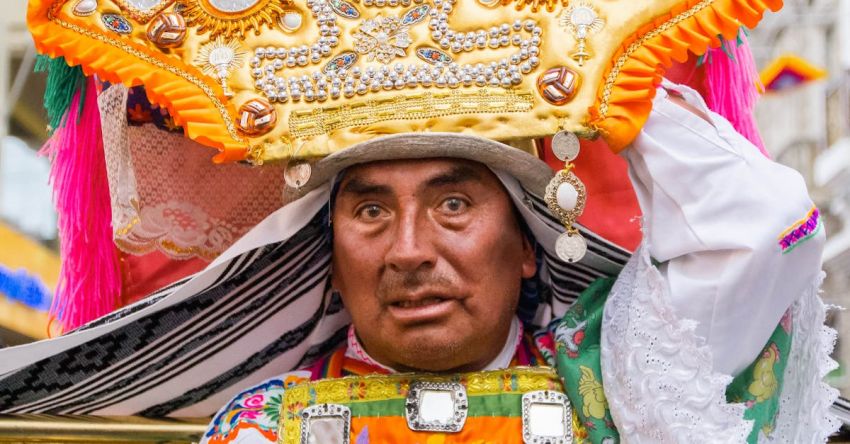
(436, 406)
(326, 424)
(546, 418)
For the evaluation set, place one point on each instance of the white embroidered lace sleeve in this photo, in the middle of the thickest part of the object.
(714, 211)
(739, 242)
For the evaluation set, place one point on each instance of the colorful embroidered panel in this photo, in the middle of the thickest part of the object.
(254, 411)
(801, 231)
(760, 384)
(577, 337)
(377, 405)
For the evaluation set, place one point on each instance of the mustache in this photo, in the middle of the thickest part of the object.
(395, 282)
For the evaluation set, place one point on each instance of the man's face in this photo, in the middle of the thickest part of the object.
(428, 256)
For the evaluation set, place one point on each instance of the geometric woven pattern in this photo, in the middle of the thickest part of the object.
(186, 349)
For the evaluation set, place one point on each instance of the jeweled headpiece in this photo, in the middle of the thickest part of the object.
(276, 79)
(272, 80)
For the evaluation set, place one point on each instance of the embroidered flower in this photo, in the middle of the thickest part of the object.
(249, 414)
(382, 38)
(248, 407)
(255, 401)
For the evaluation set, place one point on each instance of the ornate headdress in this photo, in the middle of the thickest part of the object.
(268, 80)
(297, 81)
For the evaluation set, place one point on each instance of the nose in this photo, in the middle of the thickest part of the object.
(412, 248)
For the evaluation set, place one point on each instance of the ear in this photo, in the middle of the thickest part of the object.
(529, 259)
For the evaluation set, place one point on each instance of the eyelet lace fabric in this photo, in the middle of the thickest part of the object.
(659, 379)
(657, 374)
(804, 415)
(167, 194)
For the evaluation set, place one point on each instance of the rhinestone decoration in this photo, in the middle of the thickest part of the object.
(330, 411)
(85, 8)
(342, 61)
(565, 146)
(320, 85)
(582, 20)
(167, 30)
(117, 23)
(558, 85)
(291, 21)
(257, 117)
(546, 398)
(433, 56)
(382, 39)
(415, 15)
(414, 397)
(344, 9)
(218, 58)
(232, 6)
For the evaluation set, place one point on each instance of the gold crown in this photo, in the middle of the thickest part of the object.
(276, 79)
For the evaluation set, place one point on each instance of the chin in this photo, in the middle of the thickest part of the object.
(433, 354)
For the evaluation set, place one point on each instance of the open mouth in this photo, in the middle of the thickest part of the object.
(420, 303)
(429, 309)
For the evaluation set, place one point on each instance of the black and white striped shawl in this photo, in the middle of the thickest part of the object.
(261, 309)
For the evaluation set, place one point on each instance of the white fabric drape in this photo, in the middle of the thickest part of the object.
(674, 335)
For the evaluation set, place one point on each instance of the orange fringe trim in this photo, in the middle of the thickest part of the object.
(624, 99)
(195, 101)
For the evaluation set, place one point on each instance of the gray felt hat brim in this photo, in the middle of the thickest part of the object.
(531, 172)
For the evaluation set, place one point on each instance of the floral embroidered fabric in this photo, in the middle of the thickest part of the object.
(254, 411)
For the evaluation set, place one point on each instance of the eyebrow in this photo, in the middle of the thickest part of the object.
(456, 175)
(362, 187)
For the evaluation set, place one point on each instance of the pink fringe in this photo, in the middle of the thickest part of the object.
(90, 280)
(733, 88)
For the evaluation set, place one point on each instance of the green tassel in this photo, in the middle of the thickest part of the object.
(63, 82)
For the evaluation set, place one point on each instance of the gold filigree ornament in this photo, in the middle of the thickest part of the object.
(583, 20)
(234, 18)
(566, 197)
(218, 58)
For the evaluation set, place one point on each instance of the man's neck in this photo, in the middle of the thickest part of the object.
(502, 360)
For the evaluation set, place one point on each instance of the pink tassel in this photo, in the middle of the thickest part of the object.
(733, 87)
(90, 280)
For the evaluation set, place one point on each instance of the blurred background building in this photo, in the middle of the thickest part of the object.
(805, 122)
(29, 264)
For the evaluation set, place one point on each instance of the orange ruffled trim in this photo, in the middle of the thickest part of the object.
(195, 102)
(624, 99)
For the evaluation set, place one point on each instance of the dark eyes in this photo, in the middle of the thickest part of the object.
(370, 211)
(451, 206)
(454, 205)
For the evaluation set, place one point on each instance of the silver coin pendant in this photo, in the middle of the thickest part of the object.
(571, 247)
(565, 146)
